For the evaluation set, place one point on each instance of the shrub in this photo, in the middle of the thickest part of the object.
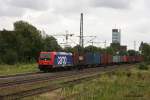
(128, 74)
(143, 66)
(1, 61)
(10, 57)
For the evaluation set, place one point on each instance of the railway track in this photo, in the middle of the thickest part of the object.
(46, 89)
(7, 82)
(21, 74)
(32, 77)
(69, 75)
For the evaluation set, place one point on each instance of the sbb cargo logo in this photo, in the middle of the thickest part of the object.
(62, 60)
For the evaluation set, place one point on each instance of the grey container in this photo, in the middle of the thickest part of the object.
(116, 59)
(119, 59)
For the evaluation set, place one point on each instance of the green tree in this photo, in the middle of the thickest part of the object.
(122, 53)
(145, 50)
(133, 53)
(8, 47)
(141, 46)
(24, 43)
(92, 49)
(68, 49)
(78, 48)
(30, 40)
(10, 57)
(110, 50)
(50, 44)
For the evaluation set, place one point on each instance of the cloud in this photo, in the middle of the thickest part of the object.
(18, 8)
(30, 4)
(115, 4)
(47, 18)
(100, 16)
(11, 12)
(8, 10)
(70, 6)
(142, 26)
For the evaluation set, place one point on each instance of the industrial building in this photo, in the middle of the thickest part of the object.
(116, 36)
(116, 40)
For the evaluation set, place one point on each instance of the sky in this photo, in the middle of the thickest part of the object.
(100, 17)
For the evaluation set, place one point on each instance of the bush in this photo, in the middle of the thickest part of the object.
(143, 66)
(10, 57)
(1, 61)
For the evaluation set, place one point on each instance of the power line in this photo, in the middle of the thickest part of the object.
(98, 43)
(67, 35)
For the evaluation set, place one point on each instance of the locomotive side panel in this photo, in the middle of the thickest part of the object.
(62, 60)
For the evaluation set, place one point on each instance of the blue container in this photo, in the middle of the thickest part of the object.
(89, 58)
(96, 58)
(63, 59)
(92, 58)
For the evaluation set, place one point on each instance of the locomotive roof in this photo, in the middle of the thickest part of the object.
(59, 53)
(64, 53)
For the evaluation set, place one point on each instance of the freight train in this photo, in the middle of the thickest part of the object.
(54, 60)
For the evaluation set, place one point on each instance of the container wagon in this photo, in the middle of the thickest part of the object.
(116, 59)
(79, 59)
(92, 58)
(106, 59)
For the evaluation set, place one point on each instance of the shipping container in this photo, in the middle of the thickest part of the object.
(138, 58)
(110, 59)
(124, 59)
(131, 59)
(106, 59)
(116, 59)
(127, 58)
(119, 59)
(79, 59)
(96, 57)
(92, 58)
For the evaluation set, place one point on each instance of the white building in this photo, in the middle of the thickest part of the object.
(116, 36)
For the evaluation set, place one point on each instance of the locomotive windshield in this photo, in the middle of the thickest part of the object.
(45, 56)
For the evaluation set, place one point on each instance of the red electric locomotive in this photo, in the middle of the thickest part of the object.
(51, 60)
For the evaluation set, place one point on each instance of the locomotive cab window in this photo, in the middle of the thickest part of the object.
(45, 56)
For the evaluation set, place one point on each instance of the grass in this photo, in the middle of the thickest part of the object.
(122, 84)
(143, 66)
(18, 69)
(131, 84)
(47, 96)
